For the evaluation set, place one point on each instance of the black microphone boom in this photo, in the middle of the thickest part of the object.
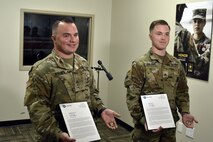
(109, 76)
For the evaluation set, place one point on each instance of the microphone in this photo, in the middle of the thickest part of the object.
(109, 76)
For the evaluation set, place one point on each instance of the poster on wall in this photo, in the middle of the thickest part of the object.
(193, 35)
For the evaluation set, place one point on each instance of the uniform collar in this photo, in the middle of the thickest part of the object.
(156, 57)
(60, 62)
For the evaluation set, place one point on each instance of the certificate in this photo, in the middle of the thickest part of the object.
(79, 121)
(157, 111)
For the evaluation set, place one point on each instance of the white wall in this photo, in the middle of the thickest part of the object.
(12, 84)
(129, 39)
(126, 22)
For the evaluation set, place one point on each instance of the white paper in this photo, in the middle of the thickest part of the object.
(157, 111)
(79, 121)
(190, 132)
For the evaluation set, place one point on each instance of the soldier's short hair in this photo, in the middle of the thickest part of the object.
(56, 23)
(157, 22)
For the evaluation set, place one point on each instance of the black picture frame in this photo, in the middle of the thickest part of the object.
(35, 34)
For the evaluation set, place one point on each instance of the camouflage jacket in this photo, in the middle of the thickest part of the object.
(52, 82)
(183, 39)
(152, 75)
(203, 40)
(184, 44)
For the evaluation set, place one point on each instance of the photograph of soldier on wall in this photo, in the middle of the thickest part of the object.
(193, 38)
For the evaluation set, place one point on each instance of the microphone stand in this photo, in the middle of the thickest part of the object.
(97, 69)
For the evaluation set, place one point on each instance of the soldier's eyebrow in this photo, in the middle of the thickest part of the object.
(167, 33)
(75, 34)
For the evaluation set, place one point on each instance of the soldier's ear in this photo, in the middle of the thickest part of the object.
(150, 36)
(53, 37)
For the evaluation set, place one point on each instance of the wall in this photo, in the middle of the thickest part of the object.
(129, 39)
(13, 81)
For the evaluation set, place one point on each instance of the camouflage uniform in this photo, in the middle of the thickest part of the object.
(184, 48)
(51, 82)
(152, 75)
(201, 64)
(185, 39)
(202, 47)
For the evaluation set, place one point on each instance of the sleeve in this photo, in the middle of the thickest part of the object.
(134, 82)
(37, 101)
(182, 95)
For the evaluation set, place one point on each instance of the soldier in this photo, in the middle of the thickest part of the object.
(184, 45)
(202, 45)
(157, 72)
(62, 77)
(184, 35)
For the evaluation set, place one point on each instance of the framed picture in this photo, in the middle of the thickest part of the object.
(193, 36)
(35, 35)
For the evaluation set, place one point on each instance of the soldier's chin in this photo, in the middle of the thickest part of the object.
(72, 49)
(69, 52)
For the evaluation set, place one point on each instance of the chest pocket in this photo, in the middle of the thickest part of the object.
(160, 78)
(173, 71)
(152, 76)
(82, 79)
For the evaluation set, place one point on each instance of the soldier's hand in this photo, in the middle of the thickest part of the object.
(108, 116)
(157, 130)
(64, 137)
(154, 130)
(189, 120)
